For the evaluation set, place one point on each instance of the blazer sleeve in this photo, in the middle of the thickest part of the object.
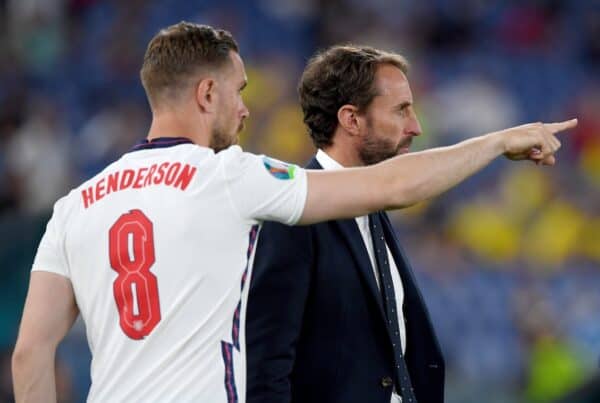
(278, 292)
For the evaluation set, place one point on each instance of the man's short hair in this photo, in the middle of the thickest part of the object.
(340, 75)
(177, 54)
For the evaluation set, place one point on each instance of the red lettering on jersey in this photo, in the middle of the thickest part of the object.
(177, 175)
(127, 178)
(113, 182)
(88, 197)
(161, 173)
(100, 189)
(139, 178)
(172, 173)
(185, 177)
(148, 179)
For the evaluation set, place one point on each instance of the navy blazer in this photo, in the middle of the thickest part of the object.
(315, 330)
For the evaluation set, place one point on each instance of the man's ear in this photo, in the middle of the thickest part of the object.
(349, 119)
(206, 94)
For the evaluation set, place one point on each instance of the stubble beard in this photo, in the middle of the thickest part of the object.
(221, 140)
(373, 150)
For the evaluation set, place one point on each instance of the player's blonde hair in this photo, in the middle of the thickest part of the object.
(177, 54)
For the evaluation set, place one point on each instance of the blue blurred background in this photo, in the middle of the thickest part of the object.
(509, 262)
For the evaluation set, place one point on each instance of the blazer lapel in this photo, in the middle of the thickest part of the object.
(313, 164)
(408, 281)
(351, 234)
(414, 304)
(353, 238)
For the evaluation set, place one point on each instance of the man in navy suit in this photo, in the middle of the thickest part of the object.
(324, 322)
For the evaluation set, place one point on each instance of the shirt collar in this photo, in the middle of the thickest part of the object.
(326, 161)
(160, 142)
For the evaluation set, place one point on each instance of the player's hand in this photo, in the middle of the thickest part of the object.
(534, 141)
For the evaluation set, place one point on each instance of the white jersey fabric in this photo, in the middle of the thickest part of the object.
(158, 248)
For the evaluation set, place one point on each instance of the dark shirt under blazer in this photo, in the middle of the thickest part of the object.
(315, 330)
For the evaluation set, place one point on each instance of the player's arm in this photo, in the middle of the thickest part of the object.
(407, 179)
(49, 313)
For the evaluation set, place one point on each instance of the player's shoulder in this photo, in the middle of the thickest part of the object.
(238, 162)
(71, 199)
(65, 205)
(235, 153)
(234, 158)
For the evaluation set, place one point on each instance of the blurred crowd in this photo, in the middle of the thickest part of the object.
(509, 262)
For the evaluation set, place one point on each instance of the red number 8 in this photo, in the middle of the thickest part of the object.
(131, 249)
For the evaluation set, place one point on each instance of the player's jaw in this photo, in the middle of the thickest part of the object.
(225, 135)
(236, 135)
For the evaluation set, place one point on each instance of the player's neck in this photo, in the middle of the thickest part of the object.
(172, 125)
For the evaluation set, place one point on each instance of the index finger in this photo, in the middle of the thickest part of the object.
(561, 126)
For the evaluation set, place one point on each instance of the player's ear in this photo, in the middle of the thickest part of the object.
(206, 94)
(349, 119)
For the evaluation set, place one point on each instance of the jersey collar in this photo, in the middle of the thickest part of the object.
(160, 142)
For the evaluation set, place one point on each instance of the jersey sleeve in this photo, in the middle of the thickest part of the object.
(50, 255)
(263, 188)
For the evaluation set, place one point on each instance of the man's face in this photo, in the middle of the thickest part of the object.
(232, 111)
(391, 122)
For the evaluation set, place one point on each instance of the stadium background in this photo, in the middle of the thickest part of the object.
(508, 262)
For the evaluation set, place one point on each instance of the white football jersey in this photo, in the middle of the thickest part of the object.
(158, 248)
